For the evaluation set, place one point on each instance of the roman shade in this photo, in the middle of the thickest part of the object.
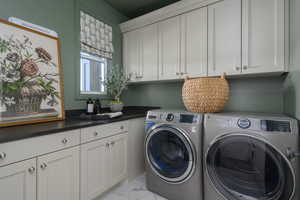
(95, 36)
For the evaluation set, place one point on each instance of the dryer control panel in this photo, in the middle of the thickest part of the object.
(264, 125)
(273, 124)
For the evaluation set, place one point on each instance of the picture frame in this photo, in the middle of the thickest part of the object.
(31, 76)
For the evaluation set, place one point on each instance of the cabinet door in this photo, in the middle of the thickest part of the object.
(95, 169)
(224, 38)
(136, 149)
(194, 43)
(18, 181)
(58, 175)
(263, 36)
(131, 54)
(169, 47)
(149, 53)
(118, 158)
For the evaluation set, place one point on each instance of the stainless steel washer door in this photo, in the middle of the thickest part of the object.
(243, 167)
(170, 154)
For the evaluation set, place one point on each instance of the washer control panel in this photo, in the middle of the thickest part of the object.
(174, 117)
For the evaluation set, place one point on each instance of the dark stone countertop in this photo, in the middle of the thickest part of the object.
(72, 122)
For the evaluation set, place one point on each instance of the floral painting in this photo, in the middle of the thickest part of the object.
(30, 76)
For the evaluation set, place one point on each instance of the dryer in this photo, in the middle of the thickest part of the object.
(251, 157)
(174, 154)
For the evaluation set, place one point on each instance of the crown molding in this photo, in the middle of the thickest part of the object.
(164, 13)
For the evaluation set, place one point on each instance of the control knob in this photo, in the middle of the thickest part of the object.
(170, 117)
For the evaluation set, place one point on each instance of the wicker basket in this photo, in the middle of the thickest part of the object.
(205, 95)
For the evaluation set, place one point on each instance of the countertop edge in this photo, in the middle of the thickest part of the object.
(13, 134)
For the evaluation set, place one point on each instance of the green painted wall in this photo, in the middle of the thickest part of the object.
(260, 94)
(247, 94)
(105, 13)
(62, 16)
(292, 82)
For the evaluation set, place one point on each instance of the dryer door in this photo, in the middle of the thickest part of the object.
(243, 167)
(170, 154)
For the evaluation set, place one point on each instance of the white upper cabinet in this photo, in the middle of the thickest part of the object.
(131, 54)
(224, 38)
(183, 46)
(140, 52)
(18, 181)
(263, 36)
(194, 43)
(58, 175)
(169, 48)
(149, 53)
(207, 39)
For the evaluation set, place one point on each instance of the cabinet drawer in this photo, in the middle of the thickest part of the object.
(102, 131)
(23, 149)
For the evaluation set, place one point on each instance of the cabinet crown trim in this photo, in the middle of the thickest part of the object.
(164, 13)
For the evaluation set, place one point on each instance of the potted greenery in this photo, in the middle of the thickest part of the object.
(116, 83)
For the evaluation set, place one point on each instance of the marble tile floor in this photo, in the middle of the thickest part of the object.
(133, 190)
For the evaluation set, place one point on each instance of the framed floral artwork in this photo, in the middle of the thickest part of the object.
(31, 86)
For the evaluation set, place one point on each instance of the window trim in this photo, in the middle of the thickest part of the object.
(92, 57)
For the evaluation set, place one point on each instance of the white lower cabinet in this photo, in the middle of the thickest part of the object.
(18, 181)
(58, 175)
(136, 150)
(49, 177)
(80, 171)
(118, 158)
(103, 164)
(94, 167)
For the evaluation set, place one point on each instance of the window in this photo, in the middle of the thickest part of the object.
(92, 74)
(96, 52)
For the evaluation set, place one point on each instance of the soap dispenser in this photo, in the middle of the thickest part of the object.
(89, 107)
(97, 106)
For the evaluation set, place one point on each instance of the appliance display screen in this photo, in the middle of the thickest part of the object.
(275, 126)
(151, 117)
(187, 119)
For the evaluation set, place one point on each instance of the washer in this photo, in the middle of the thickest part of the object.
(174, 154)
(251, 157)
